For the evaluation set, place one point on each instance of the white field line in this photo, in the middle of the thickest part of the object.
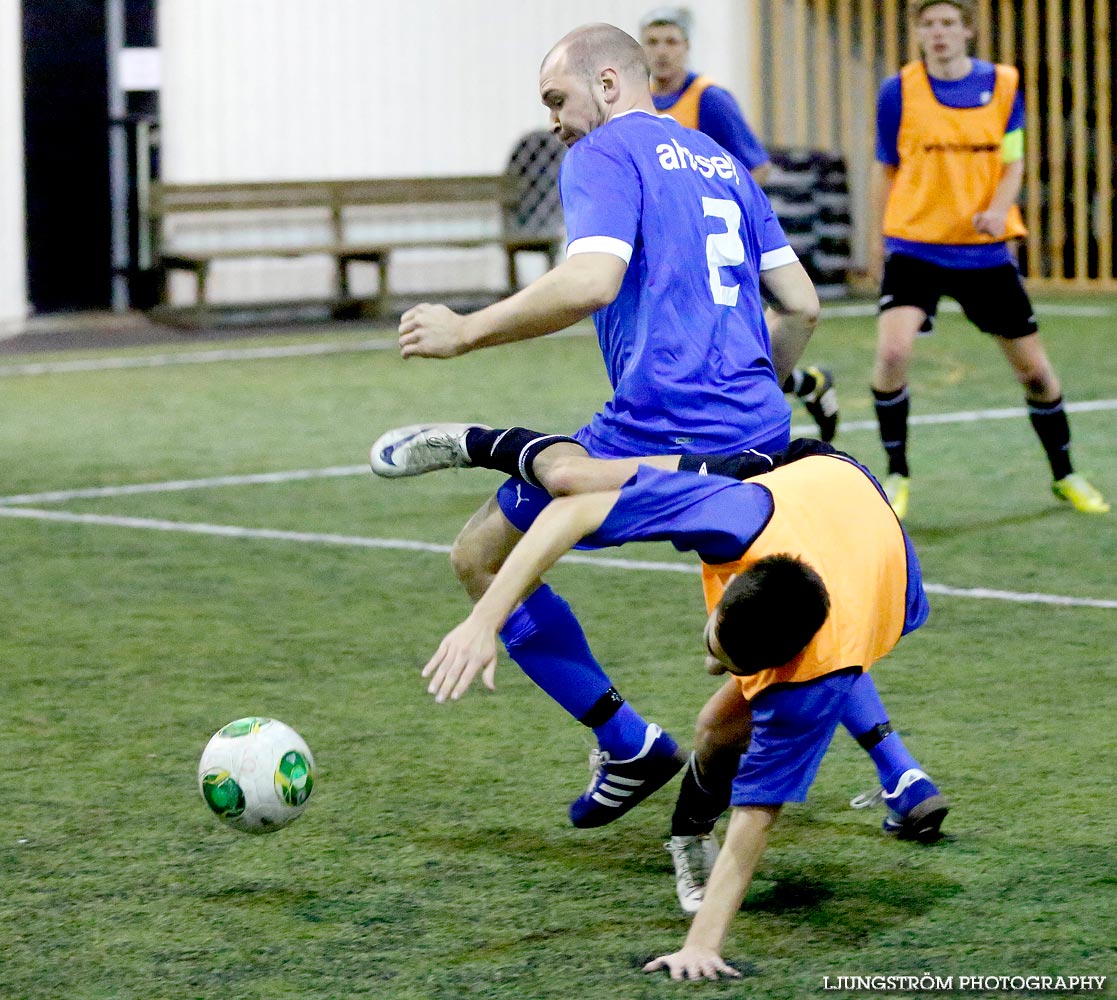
(857, 309)
(174, 485)
(961, 417)
(61, 496)
(388, 343)
(195, 357)
(219, 354)
(358, 541)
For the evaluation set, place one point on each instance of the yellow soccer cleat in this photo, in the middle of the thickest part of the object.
(898, 489)
(1076, 490)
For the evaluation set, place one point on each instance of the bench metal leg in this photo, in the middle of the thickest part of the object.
(342, 281)
(382, 274)
(203, 274)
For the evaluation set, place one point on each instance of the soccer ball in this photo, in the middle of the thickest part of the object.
(256, 774)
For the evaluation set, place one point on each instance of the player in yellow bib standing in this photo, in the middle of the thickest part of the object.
(695, 101)
(949, 168)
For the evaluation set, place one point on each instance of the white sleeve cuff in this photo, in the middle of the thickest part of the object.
(777, 258)
(601, 244)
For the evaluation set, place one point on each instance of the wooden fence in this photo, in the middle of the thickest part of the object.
(821, 63)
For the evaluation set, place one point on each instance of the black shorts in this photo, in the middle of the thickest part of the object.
(993, 298)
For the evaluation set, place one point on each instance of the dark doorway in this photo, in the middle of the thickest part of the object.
(65, 86)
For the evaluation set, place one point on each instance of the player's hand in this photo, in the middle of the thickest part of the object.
(692, 962)
(430, 331)
(991, 222)
(468, 650)
(867, 282)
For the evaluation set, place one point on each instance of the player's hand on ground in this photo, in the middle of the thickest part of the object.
(468, 650)
(991, 223)
(692, 962)
(431, 331)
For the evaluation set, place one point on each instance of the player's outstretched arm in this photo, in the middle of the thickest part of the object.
(471, 647)
(700, 955)
(578, 287)
(792, 316)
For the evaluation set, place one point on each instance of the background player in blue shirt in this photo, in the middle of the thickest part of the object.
(669, 240)
(695, 101)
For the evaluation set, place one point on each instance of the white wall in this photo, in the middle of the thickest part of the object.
(13, 281)
(286, 89)
(270, 89)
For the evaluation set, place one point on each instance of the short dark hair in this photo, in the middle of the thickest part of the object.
(964, 7)
(770, 612)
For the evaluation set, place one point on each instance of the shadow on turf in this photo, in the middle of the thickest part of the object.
(941, 532)
(840, 902)
(845, 904)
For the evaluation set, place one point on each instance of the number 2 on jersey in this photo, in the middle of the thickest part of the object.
(723, 249)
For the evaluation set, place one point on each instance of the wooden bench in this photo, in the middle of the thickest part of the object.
(330, 206)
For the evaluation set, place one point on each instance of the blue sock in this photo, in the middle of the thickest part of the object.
(864, 713)
(623, 734)
(545, 640)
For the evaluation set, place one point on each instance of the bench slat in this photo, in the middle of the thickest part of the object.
(338, 196)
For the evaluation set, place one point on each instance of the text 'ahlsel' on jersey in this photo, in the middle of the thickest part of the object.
(672, 156)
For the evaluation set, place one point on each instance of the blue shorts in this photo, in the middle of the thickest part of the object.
(792, 726)
(521, 502)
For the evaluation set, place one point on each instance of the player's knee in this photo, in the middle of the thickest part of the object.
(1039, 382)
(893, 358)
(561, 469)
(716, 734)
(562, 475)
(472, 565)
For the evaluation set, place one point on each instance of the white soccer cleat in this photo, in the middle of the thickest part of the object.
(419, 448)
(694, 859)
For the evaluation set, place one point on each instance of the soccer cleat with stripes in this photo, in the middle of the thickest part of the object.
(618, 785)
(916, 808)
(420, 448)
(897, 489)
(1080, 493)
(822, 403)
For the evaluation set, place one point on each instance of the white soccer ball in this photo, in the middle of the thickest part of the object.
(256, 774)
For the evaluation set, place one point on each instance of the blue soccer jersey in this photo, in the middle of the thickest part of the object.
(684, 342)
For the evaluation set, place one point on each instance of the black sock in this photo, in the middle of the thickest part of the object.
(801, 382)
(602, 710)
(892, 415)
(702, 799)
(1049, 420)
(510, 450)
(740, 466)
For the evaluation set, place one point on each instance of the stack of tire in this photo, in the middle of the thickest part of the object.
(810, 197)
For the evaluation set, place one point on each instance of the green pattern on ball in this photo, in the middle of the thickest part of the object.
(223, 795)
(294, 780)
(242, 727)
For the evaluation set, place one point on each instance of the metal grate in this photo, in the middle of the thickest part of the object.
(533, 207)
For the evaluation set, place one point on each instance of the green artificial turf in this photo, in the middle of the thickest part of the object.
(435, 859)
